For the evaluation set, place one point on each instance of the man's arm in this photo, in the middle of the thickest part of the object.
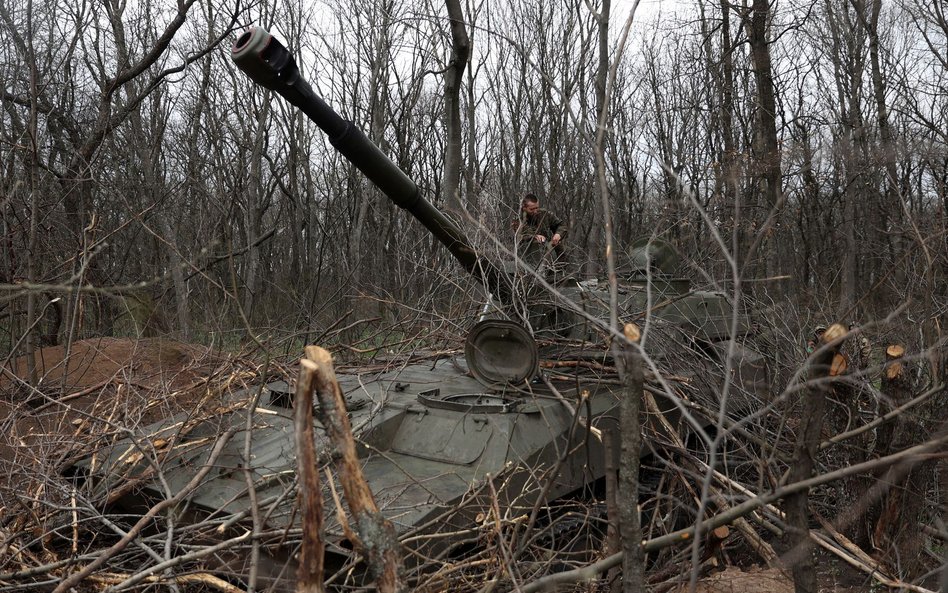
(558, 227)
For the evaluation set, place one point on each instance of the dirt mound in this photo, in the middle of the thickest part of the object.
(88, 363)
(95, 392)
(735, 580)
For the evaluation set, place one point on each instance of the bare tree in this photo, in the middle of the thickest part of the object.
(460, 54)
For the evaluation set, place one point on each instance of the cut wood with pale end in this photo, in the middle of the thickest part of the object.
(309, 575)
(839, 366)
(895, 351)
(377, 538)
(893, 361)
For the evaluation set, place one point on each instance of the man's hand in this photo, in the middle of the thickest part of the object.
(555, 240)
(540, 239)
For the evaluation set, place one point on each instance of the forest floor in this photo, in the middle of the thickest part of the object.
(146, 380)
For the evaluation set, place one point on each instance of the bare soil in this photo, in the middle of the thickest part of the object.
(94, 391)
(147, 362)
(735, 580)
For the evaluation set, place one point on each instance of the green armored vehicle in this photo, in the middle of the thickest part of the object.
(441, 441)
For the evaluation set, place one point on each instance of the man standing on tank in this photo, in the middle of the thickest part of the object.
(538, 227)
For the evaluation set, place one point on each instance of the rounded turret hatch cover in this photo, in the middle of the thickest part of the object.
(654, 253)
(500, 352)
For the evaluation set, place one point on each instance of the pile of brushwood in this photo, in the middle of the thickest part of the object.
(838, 459)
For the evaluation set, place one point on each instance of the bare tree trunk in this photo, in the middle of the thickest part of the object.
(731, 170)
(257, 198)
(473, 173)
(887, 147)
(628, 360)
(890, 206)
(176, 264)
(596, 240)
(799, 556)
(31, 258)
(376, 47)
(848, 66)
(897, 529)
(765, 136)
(460, 54)
(196, 183)
(611, 545)
(730, 163)
(810, 196)
(629, 363)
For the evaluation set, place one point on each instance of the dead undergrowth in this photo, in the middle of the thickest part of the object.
(104, 390)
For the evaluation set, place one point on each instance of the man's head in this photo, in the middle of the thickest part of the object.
(530, 204)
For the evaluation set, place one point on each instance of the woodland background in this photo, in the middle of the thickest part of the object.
(795, 152)
(141, 167)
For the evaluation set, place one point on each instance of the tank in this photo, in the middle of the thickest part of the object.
(514, 425)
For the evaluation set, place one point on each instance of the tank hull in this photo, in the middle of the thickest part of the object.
(438, 452)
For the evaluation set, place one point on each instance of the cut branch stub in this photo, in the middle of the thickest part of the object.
(309, 576)
(839, 366)
(833, 333)
(895, 351)
(377, 537)
(632, 332)
(893, 361)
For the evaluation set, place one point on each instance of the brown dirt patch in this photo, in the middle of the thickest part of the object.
(94, 394)
(146, 362)
(735, 580)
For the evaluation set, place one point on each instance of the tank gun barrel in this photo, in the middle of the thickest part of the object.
(268, 63)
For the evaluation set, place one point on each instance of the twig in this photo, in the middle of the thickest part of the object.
(76, 395)
(199, 578)
(882, 419)
(149, 573)
(859, 559)
(75, 578)
(909, 456)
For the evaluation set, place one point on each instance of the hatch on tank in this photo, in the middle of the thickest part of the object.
(477, 403)
(501, 353)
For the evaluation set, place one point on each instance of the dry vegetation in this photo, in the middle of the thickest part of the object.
(51, 527)
(171, 234)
